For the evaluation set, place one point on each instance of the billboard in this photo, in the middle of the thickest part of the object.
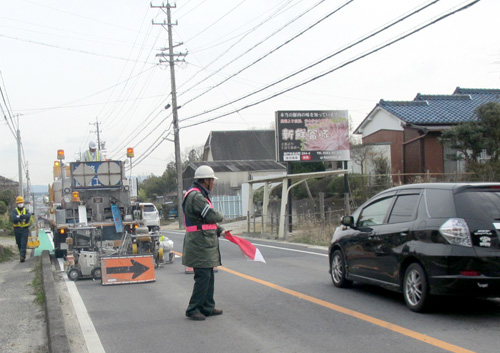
(312, 136)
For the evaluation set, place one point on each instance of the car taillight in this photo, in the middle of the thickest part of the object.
(456, 231)
(470, 273)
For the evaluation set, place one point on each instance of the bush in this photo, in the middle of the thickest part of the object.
(3, 207)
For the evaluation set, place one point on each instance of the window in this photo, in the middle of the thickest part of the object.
(439, 203)
(374, 214)
(149, 208)
(404, 208)
(481, 204)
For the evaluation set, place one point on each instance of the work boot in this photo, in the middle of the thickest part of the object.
(196, 316)
(22, 259)
(215, 312)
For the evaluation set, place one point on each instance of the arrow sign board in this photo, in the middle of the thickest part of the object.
(127, 269)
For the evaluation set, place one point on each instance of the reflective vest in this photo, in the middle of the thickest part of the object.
(97, 156)
(196, 227)
(22, 224)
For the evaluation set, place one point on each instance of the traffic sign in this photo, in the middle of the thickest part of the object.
(127, 269)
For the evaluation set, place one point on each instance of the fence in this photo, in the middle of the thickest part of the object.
(308, 215)
(229, 206)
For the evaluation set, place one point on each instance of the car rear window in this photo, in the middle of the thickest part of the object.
(149, 208)
(439, 203)
(478, 204)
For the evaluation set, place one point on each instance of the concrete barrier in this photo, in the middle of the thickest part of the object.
(56, 332)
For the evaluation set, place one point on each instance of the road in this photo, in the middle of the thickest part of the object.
(286, 305)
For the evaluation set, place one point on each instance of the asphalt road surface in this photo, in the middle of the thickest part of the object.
(287, 305)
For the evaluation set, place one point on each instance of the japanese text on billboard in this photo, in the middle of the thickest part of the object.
(312, 136)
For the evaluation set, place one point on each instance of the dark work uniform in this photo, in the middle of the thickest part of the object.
(21, 220)
(201, 247)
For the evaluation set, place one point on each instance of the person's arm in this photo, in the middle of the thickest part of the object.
(204, 211)
(14, 217)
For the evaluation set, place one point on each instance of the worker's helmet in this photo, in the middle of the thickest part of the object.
(19, 199)
(204, 172)
(92, 145)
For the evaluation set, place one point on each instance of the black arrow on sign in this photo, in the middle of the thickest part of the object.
(137, 268)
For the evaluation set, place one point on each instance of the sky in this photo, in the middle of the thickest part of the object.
(66, 66)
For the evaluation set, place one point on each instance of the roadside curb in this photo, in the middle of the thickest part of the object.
(56, 331)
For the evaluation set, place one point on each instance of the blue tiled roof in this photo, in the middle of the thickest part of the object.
(442, 109)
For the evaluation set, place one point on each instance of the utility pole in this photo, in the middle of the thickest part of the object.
(19, 160)
(171, 60)
(98, 131)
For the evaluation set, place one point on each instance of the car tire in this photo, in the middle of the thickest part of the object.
(74, 274)
(96, 273)
(338, 270)
(416, 288)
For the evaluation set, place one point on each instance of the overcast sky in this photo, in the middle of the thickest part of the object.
(66, 64)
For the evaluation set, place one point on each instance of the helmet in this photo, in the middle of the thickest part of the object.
(204, 172)
(19, 199)
(92, 145)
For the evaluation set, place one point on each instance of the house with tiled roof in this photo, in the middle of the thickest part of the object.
(413, 128)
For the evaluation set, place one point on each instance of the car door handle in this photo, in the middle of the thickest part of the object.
(404, 232)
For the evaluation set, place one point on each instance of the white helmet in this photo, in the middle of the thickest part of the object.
(204, 172)
(92, 145)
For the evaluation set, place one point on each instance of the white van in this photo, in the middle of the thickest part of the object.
(150, 215)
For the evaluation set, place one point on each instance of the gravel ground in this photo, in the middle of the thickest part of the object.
(22, 328)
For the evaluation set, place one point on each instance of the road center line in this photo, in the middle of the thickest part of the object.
(286, 249)
(384, 324)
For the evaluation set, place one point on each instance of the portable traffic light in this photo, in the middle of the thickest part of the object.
(60, 154)
(75, 196)
(57, 169)
(130, 152)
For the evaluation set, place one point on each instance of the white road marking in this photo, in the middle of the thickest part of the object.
(90, 335)
(286, 249)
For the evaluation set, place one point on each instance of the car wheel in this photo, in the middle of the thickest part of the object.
(96, 273)
(74, 274)
(338, 270)
(416, 288)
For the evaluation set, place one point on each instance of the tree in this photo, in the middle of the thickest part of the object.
(466, 138)
(360, 155)
(489, 118)
(472, 138)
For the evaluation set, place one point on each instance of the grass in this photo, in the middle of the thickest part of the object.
(6, 254)
(38, 285)
(313, 231)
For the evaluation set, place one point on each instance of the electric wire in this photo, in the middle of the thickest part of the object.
(68, 49)
(272, 51)
(340, 66)
(246, 52)
(373, 34)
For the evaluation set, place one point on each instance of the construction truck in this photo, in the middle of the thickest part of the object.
(91, 216)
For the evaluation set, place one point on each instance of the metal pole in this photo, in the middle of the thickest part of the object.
(290, 208)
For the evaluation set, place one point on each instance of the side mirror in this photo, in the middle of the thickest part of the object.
(347, 221)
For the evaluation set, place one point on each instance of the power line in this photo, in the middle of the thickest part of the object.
(272, 51)
(68, 49)
(338, 67)
(246, 52)
(317, 62)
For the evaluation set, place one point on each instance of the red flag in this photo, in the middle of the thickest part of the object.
(247, 248)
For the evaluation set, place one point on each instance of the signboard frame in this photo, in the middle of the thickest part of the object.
(312, 135)
(127, 269)
(95, 175)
